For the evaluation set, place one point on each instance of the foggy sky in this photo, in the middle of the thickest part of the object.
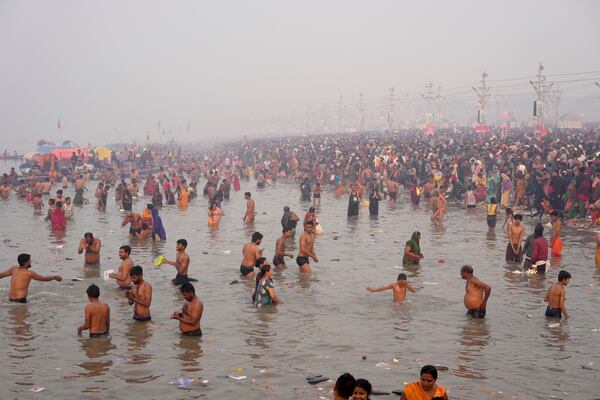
(110, 70)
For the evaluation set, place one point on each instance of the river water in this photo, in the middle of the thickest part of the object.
(327, 323)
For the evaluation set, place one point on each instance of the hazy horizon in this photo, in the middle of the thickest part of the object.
(110, 71)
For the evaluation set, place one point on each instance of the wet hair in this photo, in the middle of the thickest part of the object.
(125, 248)
(187, 288)
(149, 206)
(144, 226)
(88, 235)
(248, 194)
(563, 275)
(344, 385)
(67, 198)
(93, 291)
(287, 228)
(310, 222)
(364, 384)
(182, 242)
(59, 191)
(509, 211)
(51, 201)
(286, 209)
(259, 261)
(23, 258)
(493, 200)
(518, 217)
(467, 269)
(401, 277)
(431, 370)
(311, 209)
(256, 236)
(59, 204)
(136, 270)
(538, 230)
(264, 269)
(554, 213)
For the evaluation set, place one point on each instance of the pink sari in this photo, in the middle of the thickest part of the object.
(58, 220)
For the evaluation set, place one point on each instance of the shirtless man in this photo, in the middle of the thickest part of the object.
(250, 209)
(122, 276)
(191, 313)
(251, 253)
(21, 277)
(278, 259)
(438, 206)
(477, 293)
(556, 295)
(140, 296)
(306, 248)
(92, 249)
(146, 232)
(555, 239)
(79, 188)
(38, 203)
(181, 263)
(4, 190)
(392, 188)
(516, 231)
(135, 223)
(399, 288)
(97, 314)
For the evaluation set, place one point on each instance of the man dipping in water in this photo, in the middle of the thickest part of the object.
(140, 296)
(92, 249)
(556, 297)
(250, 207)
(306, 248)
(477, 293)
(278, 260)
(516, 231)
(21, 277)
(135, 221)
(181, 263)
(251, 253)
(97, 314)
(438, 207)
(122, 276)
(191, 313)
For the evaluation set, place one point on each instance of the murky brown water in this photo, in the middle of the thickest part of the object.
(327, 322)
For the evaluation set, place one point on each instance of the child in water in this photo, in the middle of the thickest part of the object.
(399, 288)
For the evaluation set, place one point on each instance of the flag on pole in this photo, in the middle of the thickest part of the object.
(58, 125)
(189, 125)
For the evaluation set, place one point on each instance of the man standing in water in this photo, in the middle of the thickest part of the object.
(516, 231)
(438, 207)
(21, 277)
(306, 248)
(278, 259)
(251, 253)
(97, 314)
(135, 223)
(91, 246)
(140, 296)
(250, 208)
(181, 263)
(477, 293)
(122, 276)
(556, 242)
(191, 313)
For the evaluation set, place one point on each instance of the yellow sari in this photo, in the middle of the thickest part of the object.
(183, 197)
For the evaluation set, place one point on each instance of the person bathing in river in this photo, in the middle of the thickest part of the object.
(21, 277)
(477, 293)
(412, 250)
(399, 288)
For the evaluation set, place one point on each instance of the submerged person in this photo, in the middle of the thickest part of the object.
(426, 388)
(399, 288)
(122, 276)
(250, 254)
(556, 296)
(97, 314)
(306, 248)
(21, 277)
(181, 263)
(191, 312)
(140, 296)
(412, 250)
(92, 247)
(477, 293)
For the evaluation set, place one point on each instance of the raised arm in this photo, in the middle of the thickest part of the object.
(380, 289)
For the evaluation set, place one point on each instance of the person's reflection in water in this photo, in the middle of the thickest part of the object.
(90, 272)
(18, 329)
(474, 338)
(191, 351)
(138, 334)
(259, 333)
(18, 334)
(95, 349)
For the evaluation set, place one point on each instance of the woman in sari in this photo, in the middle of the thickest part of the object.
(426, 388)
(158, 230)
(59, 222)
(183, 196)
(412, 250)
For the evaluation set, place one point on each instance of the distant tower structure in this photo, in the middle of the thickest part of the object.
(390, 116)
(483, 94)
(361, 110)
(542, 89)
(555, 99)
(340, 122)
(432, 101)
(498, 101)
(324, 113)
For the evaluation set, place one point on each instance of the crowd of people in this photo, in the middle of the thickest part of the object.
(556, 175)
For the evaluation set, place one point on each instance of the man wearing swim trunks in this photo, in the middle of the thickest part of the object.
(251, 253)
(181, 263)
(21, 277)
(477, 293)
(278, 260)
(250, 208)
(97, 314)
(555, 297)
(140, 296)
(306, 248)
(191, 312)
(516, 231)
(91, 246)
(122, 276)
(135, 223)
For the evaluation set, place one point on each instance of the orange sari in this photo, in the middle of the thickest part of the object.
(414, 391)
(183, 197)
